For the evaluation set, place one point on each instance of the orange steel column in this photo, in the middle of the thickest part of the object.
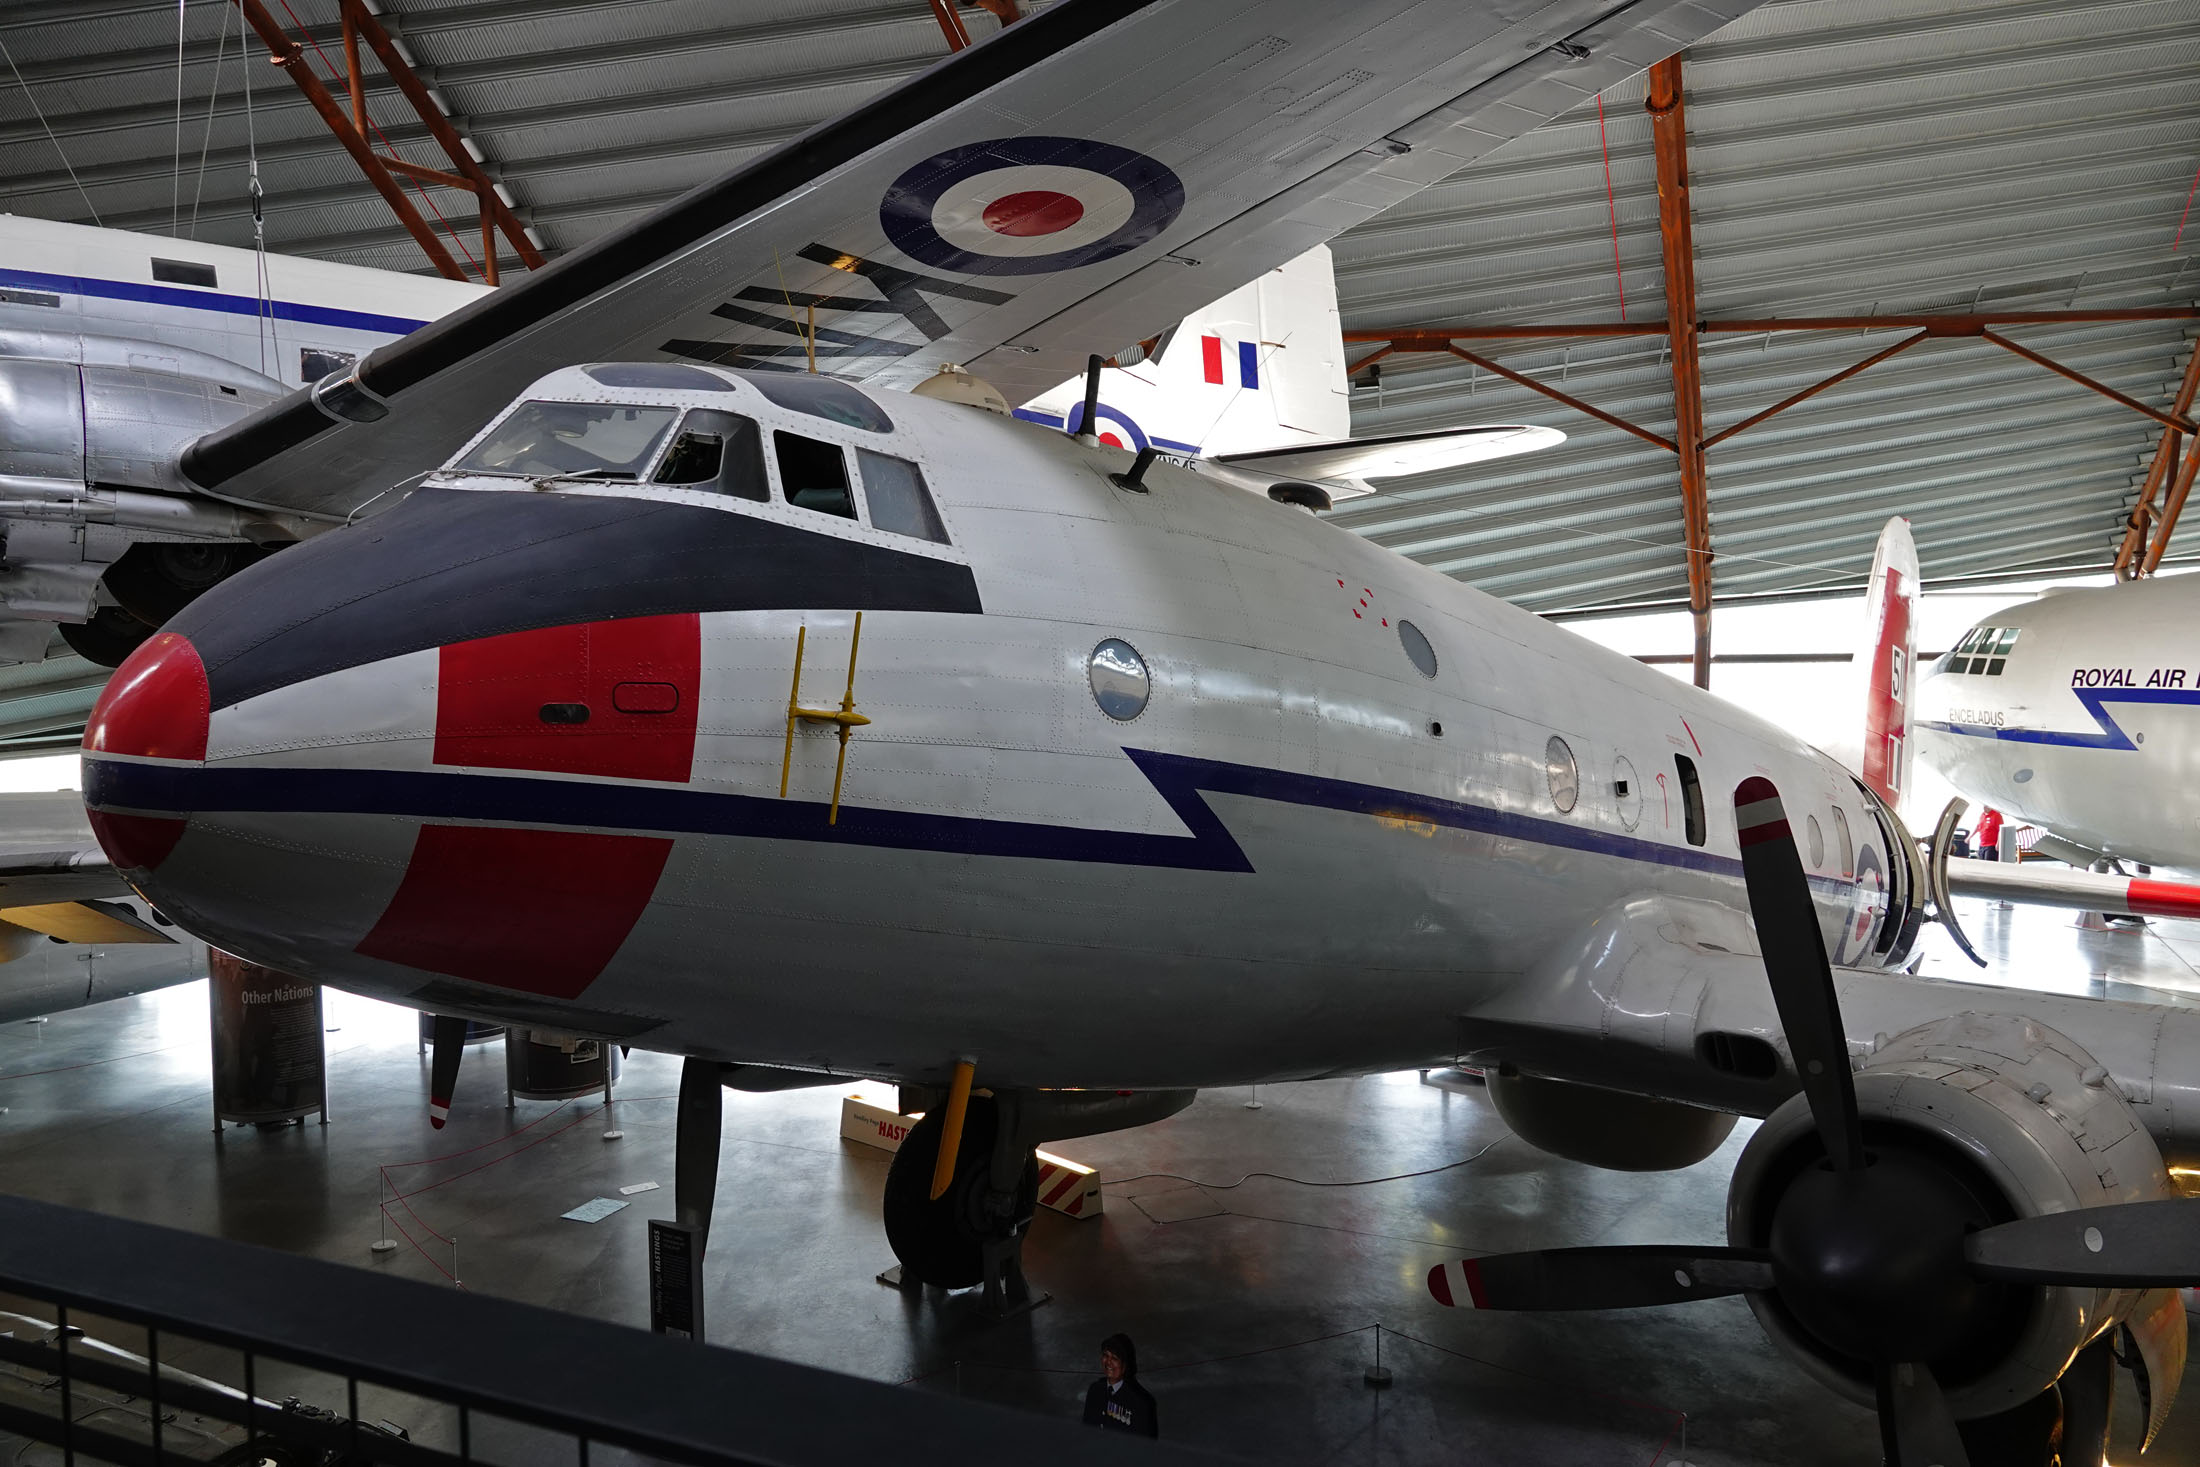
(290, 56)
(2144, 536)
(1669, 134)
(471, 175)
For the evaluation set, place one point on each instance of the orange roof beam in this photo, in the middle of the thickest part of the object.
(2145, 537)
(1669, 139)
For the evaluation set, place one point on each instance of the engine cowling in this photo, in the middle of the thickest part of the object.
(2008, 1114)
(1599, 1127)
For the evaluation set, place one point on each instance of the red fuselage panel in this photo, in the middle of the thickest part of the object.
(541, 911)
(608, 698)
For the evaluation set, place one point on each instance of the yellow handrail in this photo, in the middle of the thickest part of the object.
(845, 716)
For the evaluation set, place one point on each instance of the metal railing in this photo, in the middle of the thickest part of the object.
(168, 1347)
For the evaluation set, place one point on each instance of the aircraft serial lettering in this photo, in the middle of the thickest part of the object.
(907, 294)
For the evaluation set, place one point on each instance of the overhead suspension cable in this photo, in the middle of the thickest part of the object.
(175, 168)
(39, 113)
(206, 141)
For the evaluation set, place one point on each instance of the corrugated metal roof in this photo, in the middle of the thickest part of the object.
(588, 111)
(1848, 156)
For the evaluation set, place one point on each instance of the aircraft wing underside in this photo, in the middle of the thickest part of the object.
(1648, 1003)
(47, 853)
(1071, 185)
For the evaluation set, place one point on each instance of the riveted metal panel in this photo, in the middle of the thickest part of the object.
(41, 420)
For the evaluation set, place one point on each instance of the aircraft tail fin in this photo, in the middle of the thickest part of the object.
(1255, 385)
(1262, 368)
(1888, 663)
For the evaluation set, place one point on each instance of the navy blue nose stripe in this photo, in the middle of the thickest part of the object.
(452, 565)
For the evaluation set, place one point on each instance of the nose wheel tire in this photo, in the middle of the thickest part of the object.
(942, 1243)
(108, 638)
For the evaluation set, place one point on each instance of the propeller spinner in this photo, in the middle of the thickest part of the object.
(1884, 1257)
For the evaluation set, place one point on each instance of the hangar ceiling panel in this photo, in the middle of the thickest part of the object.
(1848, 156)
(1846, 159)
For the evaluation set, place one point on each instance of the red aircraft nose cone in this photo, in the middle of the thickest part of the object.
(155, 706)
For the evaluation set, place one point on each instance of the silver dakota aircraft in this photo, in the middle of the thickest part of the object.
(810, 729)
(2074, 712)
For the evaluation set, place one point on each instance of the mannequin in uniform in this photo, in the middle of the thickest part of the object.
(1116, 1401)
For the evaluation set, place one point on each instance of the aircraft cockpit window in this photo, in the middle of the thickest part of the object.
(1691, 798)
(822, 397)
(659, 376)
(895, 493)
(720, 451)
(1983, 650)
(814, 475)
(596, 440)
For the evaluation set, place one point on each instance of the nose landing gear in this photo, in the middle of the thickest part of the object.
(973, 1232)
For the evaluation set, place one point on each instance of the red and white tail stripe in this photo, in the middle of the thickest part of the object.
(1456, 1283)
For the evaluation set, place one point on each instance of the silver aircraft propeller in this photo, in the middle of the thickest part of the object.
(1875, 1251)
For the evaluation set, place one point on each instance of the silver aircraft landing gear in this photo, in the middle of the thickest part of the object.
(972, 1232)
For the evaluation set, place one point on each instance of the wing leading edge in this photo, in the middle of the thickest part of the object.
(1071, 184)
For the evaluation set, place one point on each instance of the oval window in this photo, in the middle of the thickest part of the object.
(1817, 841)
(1564, 777)
(1119, 682)
(1418, 650)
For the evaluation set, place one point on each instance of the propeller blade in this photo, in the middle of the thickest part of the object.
(1795, 961)
(2154, 1333)
(2088, 1404)
(1916, 1428)
(449, 1047)
(1599, 1278)
(696, 1137)
(2140, 1245)
(1936, 878)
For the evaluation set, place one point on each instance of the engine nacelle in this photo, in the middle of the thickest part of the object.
(2024, 1120)
(1599, 1127)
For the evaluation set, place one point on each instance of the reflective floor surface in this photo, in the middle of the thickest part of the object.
(1257, 1301)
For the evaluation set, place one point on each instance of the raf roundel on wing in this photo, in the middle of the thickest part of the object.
(1029, 206)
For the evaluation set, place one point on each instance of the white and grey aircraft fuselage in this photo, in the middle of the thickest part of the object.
(1162, 786)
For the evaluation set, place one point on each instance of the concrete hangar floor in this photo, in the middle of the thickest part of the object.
(1256, 1307)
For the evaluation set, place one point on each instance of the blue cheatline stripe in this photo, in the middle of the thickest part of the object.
(209, 300)
(663, 810)
(1249, 364)
(2111, 735)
